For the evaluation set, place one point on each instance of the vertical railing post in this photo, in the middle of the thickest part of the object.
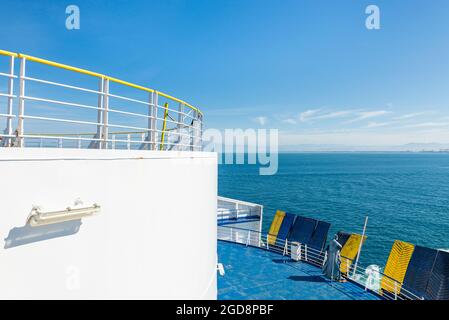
(8, 130)
(180, 125)
(146, 137)
(20, 120)
(196, 132)
(200, 138)
(153, 120)
(192, 131)
(95, 144)
(105, 128)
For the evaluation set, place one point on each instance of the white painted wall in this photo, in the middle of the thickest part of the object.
(155, 237)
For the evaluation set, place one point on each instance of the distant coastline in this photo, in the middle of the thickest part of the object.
(410, 148)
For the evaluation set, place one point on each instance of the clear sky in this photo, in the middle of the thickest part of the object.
(309, 68)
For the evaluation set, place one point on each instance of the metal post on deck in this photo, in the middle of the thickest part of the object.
(200, 117)
(193, 131)
(153, 120)
(95, 144)
(20, 129)
(180, 124)
(105, 129)
(146, 138)
(360, 247)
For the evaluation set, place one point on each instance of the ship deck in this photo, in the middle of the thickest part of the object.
(256, 274)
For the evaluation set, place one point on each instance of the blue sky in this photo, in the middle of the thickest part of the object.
(309, 68)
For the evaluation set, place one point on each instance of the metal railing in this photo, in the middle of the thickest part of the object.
(356, 274)
(228, 208)
(49, 112)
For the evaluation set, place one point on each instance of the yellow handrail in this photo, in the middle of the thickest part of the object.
(94, 74)
(8, 53)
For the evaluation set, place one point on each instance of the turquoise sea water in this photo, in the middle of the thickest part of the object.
(405, 195)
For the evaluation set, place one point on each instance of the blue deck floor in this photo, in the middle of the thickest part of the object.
(253, 273)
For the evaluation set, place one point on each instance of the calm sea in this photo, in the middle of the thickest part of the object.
(405, 195)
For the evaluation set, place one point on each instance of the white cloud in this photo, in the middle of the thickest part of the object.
(410, 115)
(336, 114)
(307, 115)
(379, 124)
(317, 114)
(261, 120)
(367, 115)
(290, 121)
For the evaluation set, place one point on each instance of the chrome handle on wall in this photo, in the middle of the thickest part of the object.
(38, 218)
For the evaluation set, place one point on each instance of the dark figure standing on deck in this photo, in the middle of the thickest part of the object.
(331, 266)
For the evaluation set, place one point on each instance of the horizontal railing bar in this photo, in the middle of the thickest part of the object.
(49, 137)
(60, 120)
(83, 139)
(8, 75)
(32, 136)
(129, 99)
(119, 133)
(85, 106)
(62, 85)
(128, 127)
(131, 113)
(8, 95)
(6, 115)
